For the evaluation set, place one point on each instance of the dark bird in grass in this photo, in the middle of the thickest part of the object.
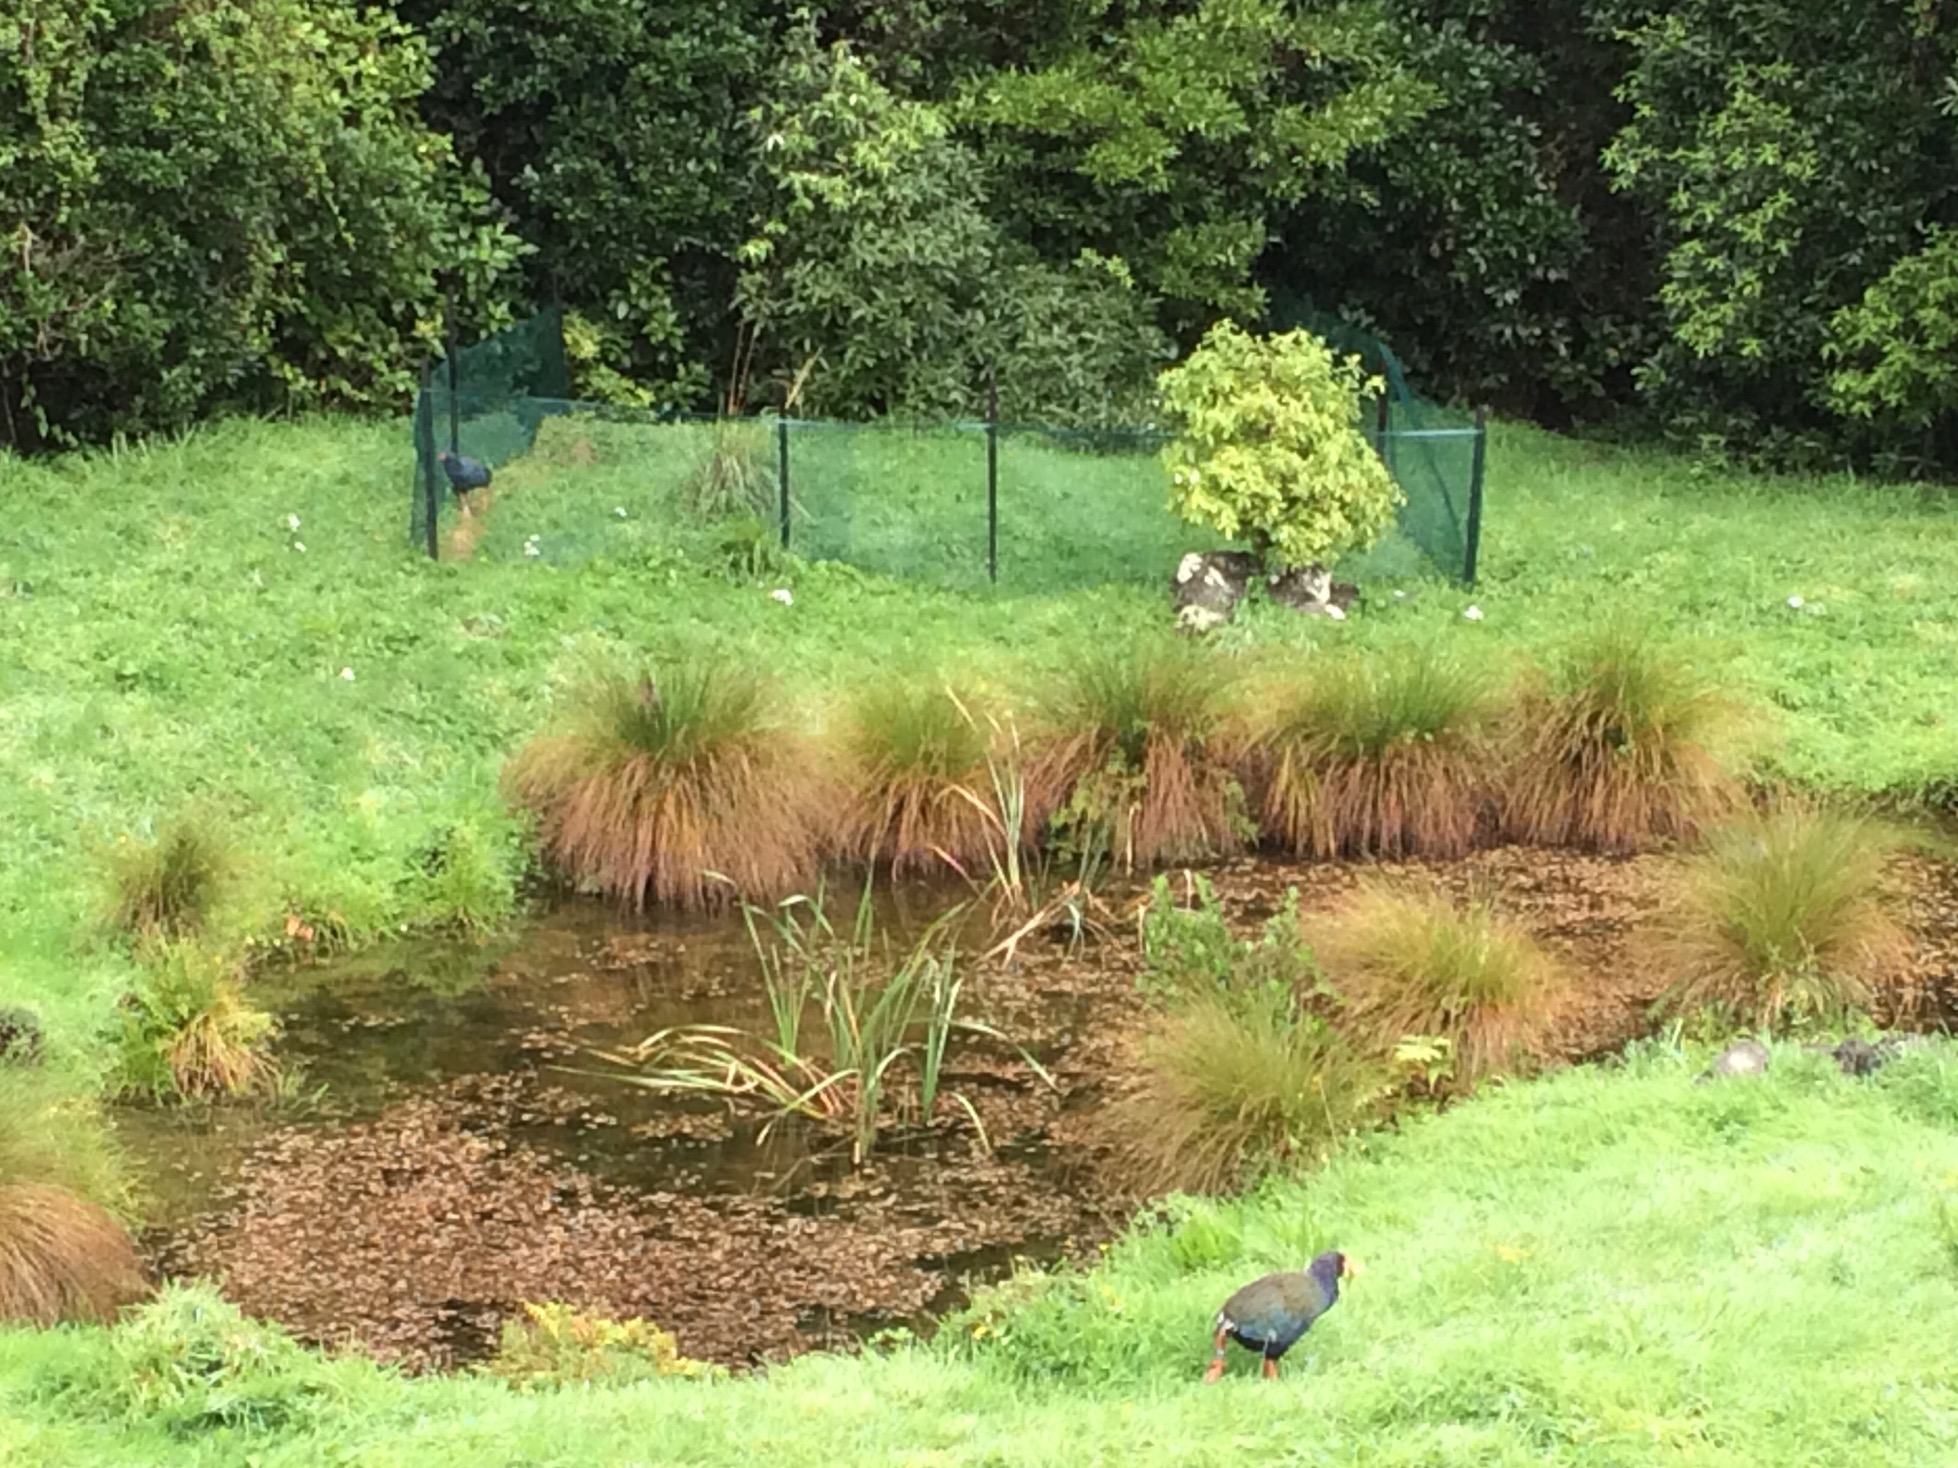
(465, 474)
(1270, 1314)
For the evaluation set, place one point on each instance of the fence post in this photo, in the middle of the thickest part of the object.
(992, 473)
(1384, 427)
(425, 461)
(455, 407)
(782, 475)
(1476, 467)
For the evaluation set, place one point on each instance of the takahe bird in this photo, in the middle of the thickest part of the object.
(465, 474)
(1270, 1314)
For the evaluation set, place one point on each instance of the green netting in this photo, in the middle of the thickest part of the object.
(967, 506)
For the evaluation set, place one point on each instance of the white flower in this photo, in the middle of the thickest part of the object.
(346, 675)
(620, 512)
(292, 522)
(530, 548)
(1795, 602)
(1473, 613)
(782, 594)
(299, 545)
(1399, 595)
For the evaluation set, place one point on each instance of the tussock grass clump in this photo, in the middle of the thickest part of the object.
(189, 1034)
(1620, 746)
(169, 885)
(1781, 919)
(1129, 760)
(916, 765)
(1363, 757)
(52, 1132)
(1414, 964)
(734, 474)
(681, 789)
(1229, 1088)
(62, 1258)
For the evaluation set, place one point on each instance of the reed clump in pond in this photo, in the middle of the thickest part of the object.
(680, 787)
(1382, 756)
(190, 1034)
(1131, 758)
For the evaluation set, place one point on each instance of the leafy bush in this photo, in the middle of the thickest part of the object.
(660, 787)
(915, 762)
(188, 1362)
(554, 1345)
(188, 1033)
(1414, 965)
(1781, 920)
(170, 884)
(1228, 1088)
(1189, 952)
(1357, 757)
(1128, 761)
(222, 205)
(62, 1258)
(1268, 446)
(1621, 746)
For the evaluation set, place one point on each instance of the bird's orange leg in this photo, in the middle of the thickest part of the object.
(1271, 1369)
(1216, 1368)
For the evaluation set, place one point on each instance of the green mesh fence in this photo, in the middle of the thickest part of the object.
(967, 506)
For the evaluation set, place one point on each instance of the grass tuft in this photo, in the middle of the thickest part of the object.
(1781, 920)
(1414, 965)
(1621, 746)
(62, 1258)
(169, 885)
(1366, 757)
(1230, 1087)
(679, 788)
(1130, 763)
(189, 1034)
(916, 764)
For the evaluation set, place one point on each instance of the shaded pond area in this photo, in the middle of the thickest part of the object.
(468, 1152)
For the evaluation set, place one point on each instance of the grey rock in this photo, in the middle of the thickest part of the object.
(1742, 1058)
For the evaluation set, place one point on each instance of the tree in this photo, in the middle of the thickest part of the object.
(230, 204)
(1267, 446)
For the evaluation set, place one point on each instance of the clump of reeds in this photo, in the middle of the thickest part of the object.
(916, 763)
(1620, 746)
(168, 885)
(680, 787)
(1781, 920)
(62, 1258)
(1413, 964)
(1130, 760)
(189, 1033)
(1356, 756)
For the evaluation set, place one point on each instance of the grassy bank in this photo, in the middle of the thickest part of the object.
(1604, 1267)
(167, 632)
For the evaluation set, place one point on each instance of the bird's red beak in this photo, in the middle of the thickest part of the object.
(1350, 1269)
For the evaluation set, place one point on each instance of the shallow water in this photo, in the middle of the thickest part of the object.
(459, 1100)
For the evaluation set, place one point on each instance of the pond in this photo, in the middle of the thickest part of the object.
(467, 1151)
(461, 1148)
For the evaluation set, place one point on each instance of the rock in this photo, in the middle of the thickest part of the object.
(1311, 589)
(1209, 586)
(20, 1037)
(1742, 1058)
(1858, 1057)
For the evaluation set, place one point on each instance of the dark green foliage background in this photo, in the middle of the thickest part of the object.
(1721, 221)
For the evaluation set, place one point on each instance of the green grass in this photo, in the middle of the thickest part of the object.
(1599, 1268)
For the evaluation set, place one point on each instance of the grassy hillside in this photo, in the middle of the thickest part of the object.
(1604, 1267)
(166, 633)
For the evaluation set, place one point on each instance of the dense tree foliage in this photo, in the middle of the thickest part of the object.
(1733, 221)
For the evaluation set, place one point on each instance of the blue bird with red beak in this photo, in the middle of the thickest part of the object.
(465, 474)
(1270, 1314)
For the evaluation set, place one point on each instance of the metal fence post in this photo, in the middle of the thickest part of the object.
(992, 473)
(1476, 467)
(425, 461)
(782, 475)
(455, 406)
